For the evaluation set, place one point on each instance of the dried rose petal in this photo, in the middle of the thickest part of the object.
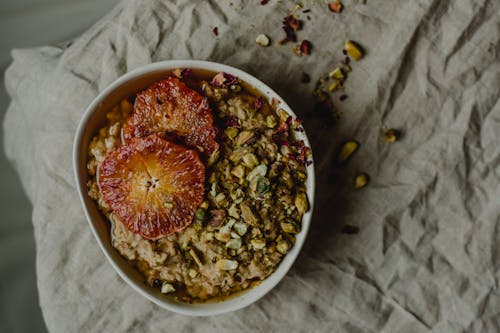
(290, 35)
(231, 80)
(257, 104)
(290, 26)
(305, 47)
(292, 22)
(231, 121)
(264, 2)
(223, 79)
(215, 30)
(186, 72)
(335, 6)
(296, 25)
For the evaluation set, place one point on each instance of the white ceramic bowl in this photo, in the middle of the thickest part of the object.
(94, 118)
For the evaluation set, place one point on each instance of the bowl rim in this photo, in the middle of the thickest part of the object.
(234, 302)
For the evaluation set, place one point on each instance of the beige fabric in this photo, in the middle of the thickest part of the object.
(427, 257)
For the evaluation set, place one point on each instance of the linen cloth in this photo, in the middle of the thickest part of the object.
(427, 255)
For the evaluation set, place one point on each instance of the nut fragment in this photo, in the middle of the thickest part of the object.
(240, 228)
(238, 171)
(361, 180)
(167, 288)
(347, 150)
(258, 244)
(259, 170)
(262, 40)
(392, 135)
(234, 243)
(354, 50)
(250, 160)
(290, 227)
(282, 247)
(337, 73)
(195, 257)
(226, 264)
(247, 214)
(271, 121)
(301, 203)
(334, 86)
(243, 137)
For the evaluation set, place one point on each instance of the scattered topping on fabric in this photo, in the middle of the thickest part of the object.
(224, 80)
(347, 150)
(262, 40)
(353, 50)
(361, 180)
(215, 31)
(335, 6)
(304, 48)
(392, 135)
(291, 25)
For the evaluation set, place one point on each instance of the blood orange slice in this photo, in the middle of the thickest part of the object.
(154, 186)
(169, 106)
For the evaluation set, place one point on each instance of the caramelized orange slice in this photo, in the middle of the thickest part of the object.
(169, 106)
(154, 186)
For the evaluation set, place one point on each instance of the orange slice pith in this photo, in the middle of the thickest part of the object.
(170, 106)
(154, 186)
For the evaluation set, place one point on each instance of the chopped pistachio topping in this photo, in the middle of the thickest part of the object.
(167, 288)
(354, 50)
(361, 180)
(234, 243)
(226, 264)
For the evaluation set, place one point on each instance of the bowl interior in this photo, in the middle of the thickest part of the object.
(95, 117)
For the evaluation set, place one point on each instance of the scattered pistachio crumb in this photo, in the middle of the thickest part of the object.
(336, 74)
(334, 85)
(347, 150)
(262, 40)
(392, 135)
(361, 180)
(354, 50)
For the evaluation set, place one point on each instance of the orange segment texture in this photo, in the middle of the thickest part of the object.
(154, 186)
(169, 106)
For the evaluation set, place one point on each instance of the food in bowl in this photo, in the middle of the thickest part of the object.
(203, 182)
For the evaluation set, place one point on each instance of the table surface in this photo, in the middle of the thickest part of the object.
(29, 23)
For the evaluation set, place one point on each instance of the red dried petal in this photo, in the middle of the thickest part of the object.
(335, 6)
(305, 47)
(225, 80)
(257, 103)
(215, 31)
